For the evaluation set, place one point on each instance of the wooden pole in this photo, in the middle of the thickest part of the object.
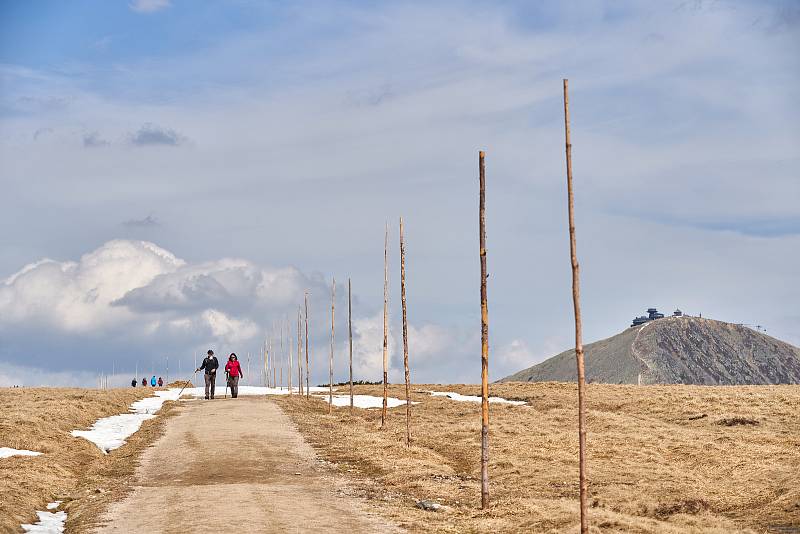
(330, 361)
(385, 326)
(578, 334)
(271, 361)
(289, 368)
(405, 333)
(308, 369)
(280, 359)
(299, 358)
(350, 337)
(484, 338)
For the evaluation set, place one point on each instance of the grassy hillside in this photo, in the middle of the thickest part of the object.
(665, 459)
(71, 469)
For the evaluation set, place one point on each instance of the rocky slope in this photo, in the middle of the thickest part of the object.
(677, 350)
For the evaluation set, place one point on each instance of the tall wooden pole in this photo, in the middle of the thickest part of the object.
(405, 334)
(330, 361)
(484, 338)
(270, 383)
(289, 369)
(308, 369)
(584, 490)
(299, 354)
(350, 337)
(385, 326)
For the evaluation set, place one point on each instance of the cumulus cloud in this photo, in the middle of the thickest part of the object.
(149, 6)
(150, 134)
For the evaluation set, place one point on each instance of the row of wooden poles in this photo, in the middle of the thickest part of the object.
(302, 317)
(274, 372)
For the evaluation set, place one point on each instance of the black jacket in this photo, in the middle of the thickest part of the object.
(210, 364)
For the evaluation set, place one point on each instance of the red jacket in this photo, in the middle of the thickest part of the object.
(233, 368)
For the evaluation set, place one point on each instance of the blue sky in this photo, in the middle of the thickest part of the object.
(255, 141)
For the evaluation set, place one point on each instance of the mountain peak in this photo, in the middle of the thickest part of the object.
(677, 350)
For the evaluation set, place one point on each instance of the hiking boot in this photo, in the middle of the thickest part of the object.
(206, 397)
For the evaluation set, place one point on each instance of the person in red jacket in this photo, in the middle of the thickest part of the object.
(234, 372)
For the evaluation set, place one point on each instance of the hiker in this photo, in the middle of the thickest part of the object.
(153, 381)
(210, 364)
(144, 382)
(160, 382)
(234, 372)
(133, 383)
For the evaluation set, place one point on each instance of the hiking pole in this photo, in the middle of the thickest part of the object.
(187, 383)
(226, 384)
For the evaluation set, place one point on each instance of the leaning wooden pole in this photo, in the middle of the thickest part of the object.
(385, 326)
(405, 333)
(308, 369)
(330, 361)
(350, 337)
(576, 293)
(484, 338)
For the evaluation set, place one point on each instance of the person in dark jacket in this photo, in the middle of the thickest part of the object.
(144, 382)
(133, 383)
(210, 364)
(160, 382)
(153, 381)
(234, 372)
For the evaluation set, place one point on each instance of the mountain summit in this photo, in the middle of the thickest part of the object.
(677, 350)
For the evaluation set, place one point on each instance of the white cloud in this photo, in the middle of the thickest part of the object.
(77, 296)
(149, 6)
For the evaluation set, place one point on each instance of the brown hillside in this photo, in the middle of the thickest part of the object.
(677, 350)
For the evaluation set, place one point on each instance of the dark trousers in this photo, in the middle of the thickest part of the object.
(233, 383)
(211, 379)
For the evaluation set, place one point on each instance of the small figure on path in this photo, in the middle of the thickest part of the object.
(210, 364)
(144, 382)
(133, 383)
(234, 372)
(153, 381)
(160, 382)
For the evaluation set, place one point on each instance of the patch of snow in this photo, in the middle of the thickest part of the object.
(110, 433)
(49, 522)
(473, 398)
(6, 452)
(363, 401)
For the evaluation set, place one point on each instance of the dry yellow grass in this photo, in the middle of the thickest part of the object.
(70, 469)
(660, 458)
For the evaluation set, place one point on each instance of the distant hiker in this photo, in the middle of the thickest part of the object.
(144, 382)
(234, 372)
(160, 382)
(210, 364)
(133, 383)
(153, 381)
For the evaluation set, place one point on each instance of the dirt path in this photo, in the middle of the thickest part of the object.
(235, 466)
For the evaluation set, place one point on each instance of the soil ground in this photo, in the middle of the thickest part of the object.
(235, 465)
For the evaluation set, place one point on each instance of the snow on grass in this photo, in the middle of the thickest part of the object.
(363, 401)
(7, 452)
(49, 522)
(110, 433)
(473, 398)
(247, 390)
